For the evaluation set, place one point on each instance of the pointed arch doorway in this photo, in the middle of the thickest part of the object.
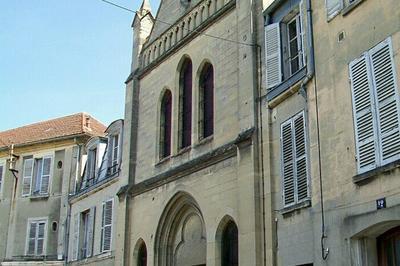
(181, 235)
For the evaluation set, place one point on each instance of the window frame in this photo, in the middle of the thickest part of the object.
(3, 165)
(165, 109)
(103, 225)
(114, 145)
(36, 220)
(185, 100)
(295, 159)
(206, 84)
(374, 106)
(34, 174)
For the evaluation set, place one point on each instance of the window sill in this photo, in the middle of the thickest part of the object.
(204, 141)
(295, 207)
(163, 161)
(39, 197)
(286, 84)
(182, 151)
(364, 178)
(351, 7)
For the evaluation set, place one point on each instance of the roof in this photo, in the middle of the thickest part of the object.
(71, 125)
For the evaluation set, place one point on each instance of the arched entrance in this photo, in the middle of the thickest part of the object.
(388, 245)
(181, 234)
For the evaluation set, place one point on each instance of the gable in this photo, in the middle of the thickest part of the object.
(168, 13)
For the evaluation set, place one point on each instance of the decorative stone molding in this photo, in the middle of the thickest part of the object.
(192, 22)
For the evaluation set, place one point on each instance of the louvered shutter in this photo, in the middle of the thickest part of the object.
(364, 114)
(1, 176)
(45, 175)
(27, 177)
(75, 244)
(41, 226)
(287, 163)
(301, 168)
(107, 225)
(302, 31)
(91, 222)
(387, 101)
(273, 55)
(333, 7)
(32, 238)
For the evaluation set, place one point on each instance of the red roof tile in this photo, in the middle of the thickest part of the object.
(80, 123)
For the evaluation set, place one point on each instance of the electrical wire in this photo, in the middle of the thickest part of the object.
(171, 24)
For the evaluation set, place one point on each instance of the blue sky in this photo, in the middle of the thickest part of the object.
(62, 57)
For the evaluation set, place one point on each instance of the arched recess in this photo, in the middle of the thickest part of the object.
(185, 103)
(206, 100)
(165, 126)
(181, 235)
(227, 238)
(140, 253)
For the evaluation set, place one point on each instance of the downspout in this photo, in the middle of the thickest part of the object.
(309, 76)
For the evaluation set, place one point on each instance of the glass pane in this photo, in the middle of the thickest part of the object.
(389, 253)
(292, 30)
(294, 65)
(294, 49)
(397, 251)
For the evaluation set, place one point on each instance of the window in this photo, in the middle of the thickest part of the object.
(106, 226)
(36, 176)
(375, 107)
(83, 234)
(206, 101)
(91, 168)
(142, 255)
(165, 125)
(334, 7)
(294, 160)
(388, 245)
(185, 105)
(36, 237)
(284, 45)
(114, 153)
(230, 252)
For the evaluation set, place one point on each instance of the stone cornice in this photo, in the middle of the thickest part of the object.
(213, 157)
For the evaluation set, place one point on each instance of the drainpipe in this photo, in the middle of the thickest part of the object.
(310, 74)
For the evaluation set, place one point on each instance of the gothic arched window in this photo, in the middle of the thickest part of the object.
(165, 124)
(206, 101)
(185, 104)
(142, 255)
(230, 245)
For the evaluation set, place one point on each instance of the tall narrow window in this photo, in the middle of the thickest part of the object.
(185, 105)
(206, 101)
(1, 176)
(165, 125)
(114, 153)
(106, 226)
(230, 252)
(36, 237)
(142, 255)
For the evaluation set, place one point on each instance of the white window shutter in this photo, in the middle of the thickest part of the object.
(273, 55)
(32, 238)
(75, 244)
(107, 225)
(1, 176)
(364, 114)
(91, 223)
(333, 7)
(387, 100)
(288, 174)
(45, 175)
(302, 31)
(301, 168)
(41, 226)
(27, 177)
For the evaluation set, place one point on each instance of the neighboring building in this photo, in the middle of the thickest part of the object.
(34, 195)
(191, 153)
(333, 134)
(93, 200)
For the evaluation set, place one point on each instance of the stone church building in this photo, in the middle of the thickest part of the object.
(191, 153)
